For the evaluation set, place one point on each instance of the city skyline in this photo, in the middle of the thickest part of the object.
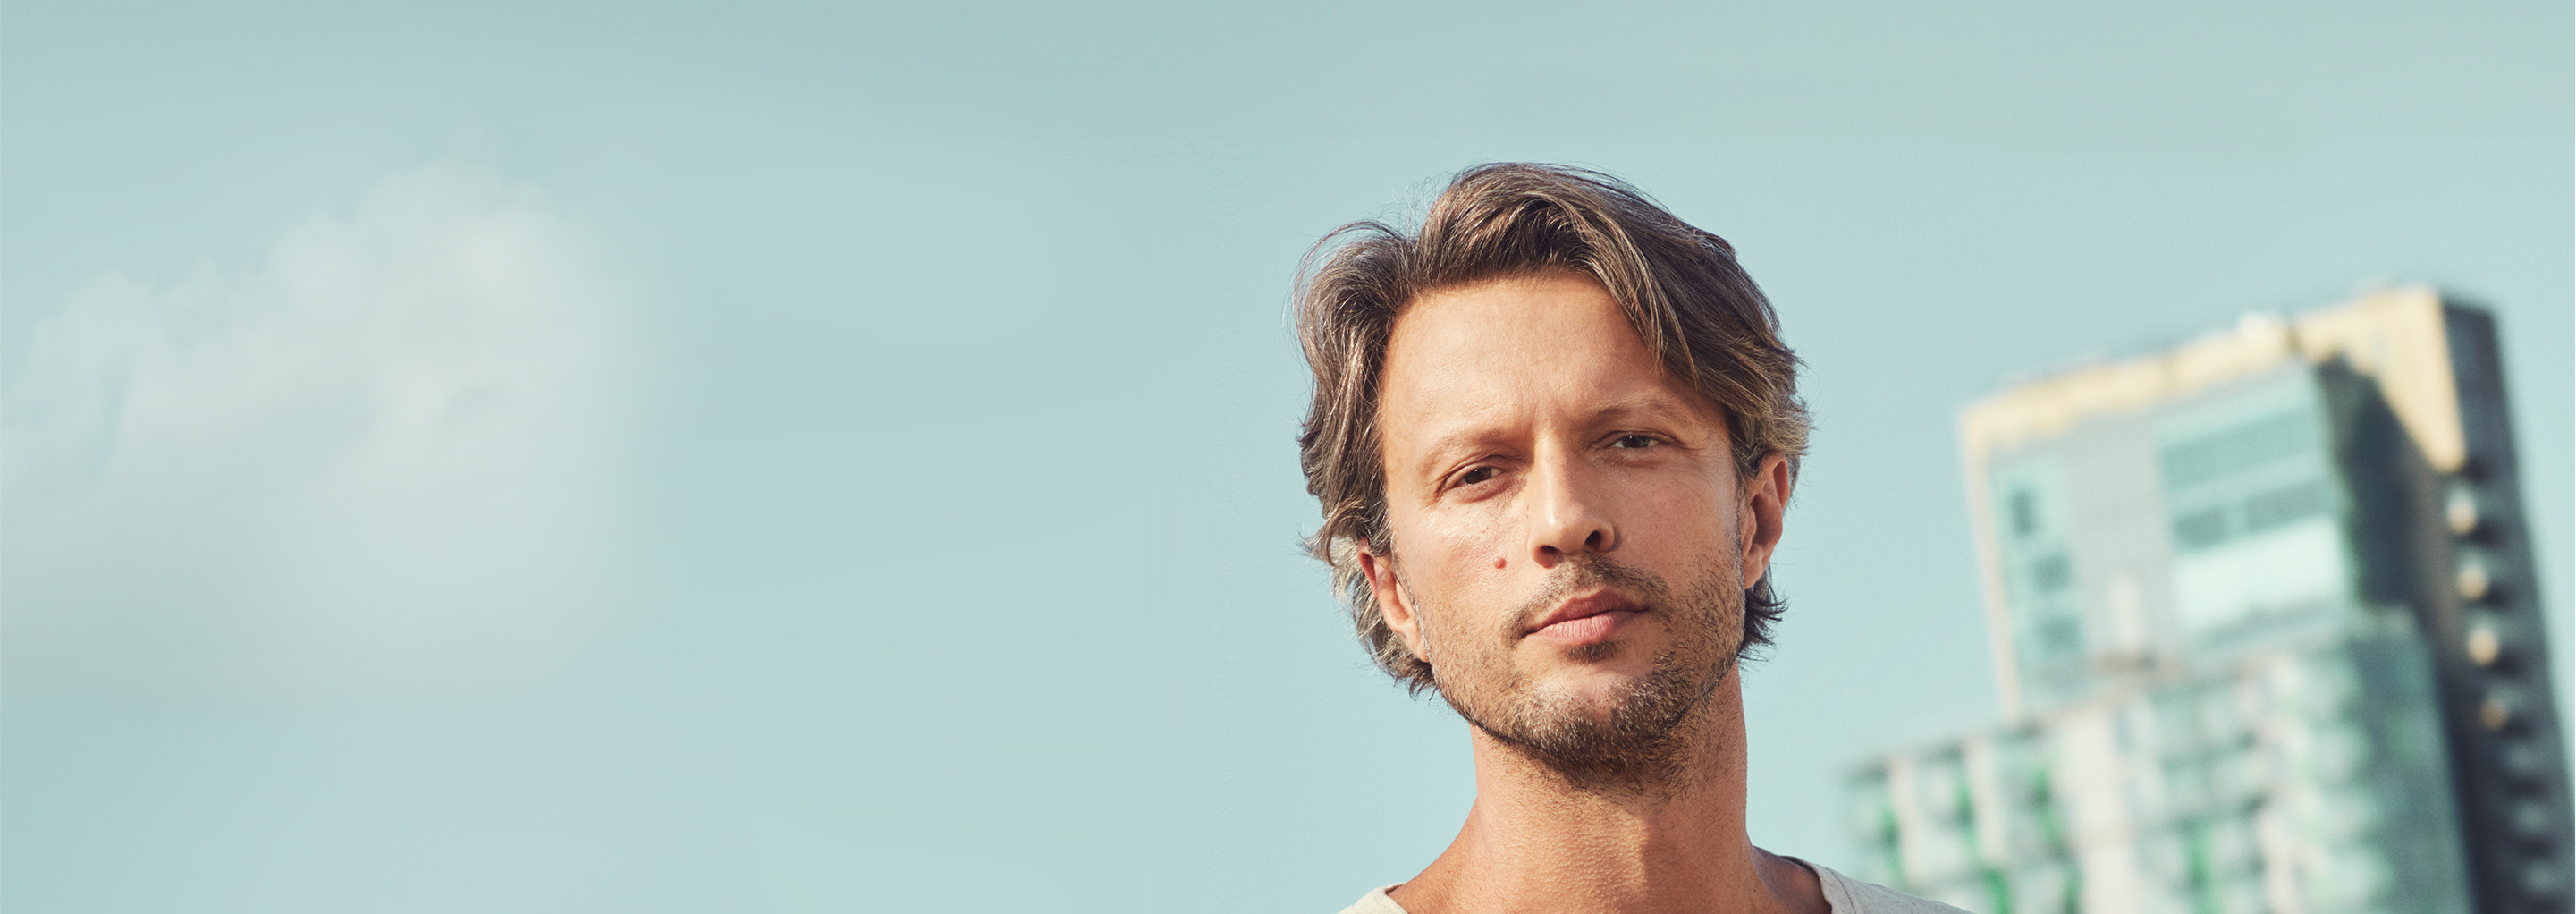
(2265, 635)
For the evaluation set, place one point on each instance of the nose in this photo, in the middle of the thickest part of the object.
(1566, 513)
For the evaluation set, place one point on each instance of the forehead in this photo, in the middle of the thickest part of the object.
(1491, 351)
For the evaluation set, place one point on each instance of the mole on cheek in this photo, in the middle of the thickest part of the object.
(1498, 561)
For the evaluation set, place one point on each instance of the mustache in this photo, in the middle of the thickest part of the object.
(1590, 571)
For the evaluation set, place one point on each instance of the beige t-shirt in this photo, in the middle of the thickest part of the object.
(1847, 896)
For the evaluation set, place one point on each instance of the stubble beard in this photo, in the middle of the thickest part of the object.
(1640, 745)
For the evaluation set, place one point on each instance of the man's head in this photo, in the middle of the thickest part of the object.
(1553, 400)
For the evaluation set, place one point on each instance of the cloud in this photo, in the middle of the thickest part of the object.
(384, 459)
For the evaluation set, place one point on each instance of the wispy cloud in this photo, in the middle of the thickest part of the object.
(384, 458)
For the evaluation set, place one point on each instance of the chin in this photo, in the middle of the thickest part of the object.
(1597, 693)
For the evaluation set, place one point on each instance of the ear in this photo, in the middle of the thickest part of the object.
(1380, 571)
(1765, 501)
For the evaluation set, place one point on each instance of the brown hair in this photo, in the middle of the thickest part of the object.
(1681, 289)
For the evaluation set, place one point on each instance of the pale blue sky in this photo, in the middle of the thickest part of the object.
(863, 436)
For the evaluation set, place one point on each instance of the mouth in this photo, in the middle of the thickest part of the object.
(1585, 619)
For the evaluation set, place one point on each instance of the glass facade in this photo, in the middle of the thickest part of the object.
(2256, 510)
(2172, 538)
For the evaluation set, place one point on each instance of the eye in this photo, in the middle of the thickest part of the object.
(1476, 475)
(1636, 442)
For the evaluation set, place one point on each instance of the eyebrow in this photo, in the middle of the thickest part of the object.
(1652, 406)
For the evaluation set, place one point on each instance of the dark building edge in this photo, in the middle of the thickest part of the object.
(2500, 716)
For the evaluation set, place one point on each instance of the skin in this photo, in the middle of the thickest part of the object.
(1527, 430)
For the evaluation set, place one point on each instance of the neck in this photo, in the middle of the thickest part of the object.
(1536, 841)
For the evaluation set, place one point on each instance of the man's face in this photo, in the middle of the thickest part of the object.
(1570, 536)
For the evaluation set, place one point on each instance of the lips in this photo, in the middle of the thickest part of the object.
(1590, 617)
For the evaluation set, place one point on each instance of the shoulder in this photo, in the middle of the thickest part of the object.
(1377, 902)
(1852, 896)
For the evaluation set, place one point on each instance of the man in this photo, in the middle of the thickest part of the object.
(1554, 432)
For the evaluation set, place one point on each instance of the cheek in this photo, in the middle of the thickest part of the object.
(1687, 520)
(1450, 560)
(1468, 542)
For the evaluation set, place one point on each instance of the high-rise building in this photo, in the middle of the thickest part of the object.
(2267, 636)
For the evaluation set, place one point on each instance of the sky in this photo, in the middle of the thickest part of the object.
(798, 456)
